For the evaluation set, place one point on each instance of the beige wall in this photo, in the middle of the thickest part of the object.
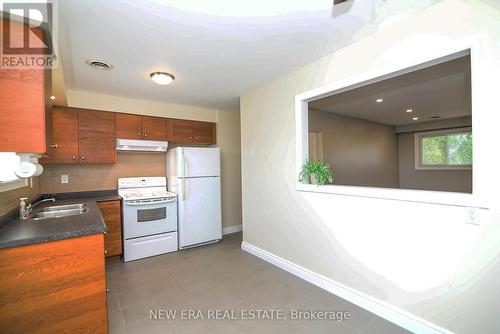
(441, 180)
(9, 200)
(360, 152)
(228, 137)
(421, 258)
(101, 177)
(90, 100)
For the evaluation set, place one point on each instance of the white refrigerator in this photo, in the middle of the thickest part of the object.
(193, 173)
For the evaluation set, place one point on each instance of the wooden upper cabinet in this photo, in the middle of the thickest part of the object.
(96, 136)
(185, 131)
(204, 132)
(181, 131)
(63, 146)
(23, 122)
(128, 126)
(154, 128)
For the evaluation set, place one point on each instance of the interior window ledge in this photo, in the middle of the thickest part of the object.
(11, 185)
(407, 195)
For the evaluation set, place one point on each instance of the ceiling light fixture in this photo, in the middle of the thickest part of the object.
(379, 100)
(409, 110)
(52, 97)
(415, 118)
(162, 78)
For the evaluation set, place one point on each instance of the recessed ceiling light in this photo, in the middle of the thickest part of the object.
(52, 97)
(409, 110)
(162, 78)
(379, 100)
(415, 118)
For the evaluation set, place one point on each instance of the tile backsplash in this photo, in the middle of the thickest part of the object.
(82, 177)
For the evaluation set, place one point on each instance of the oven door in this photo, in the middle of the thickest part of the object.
(149, 216)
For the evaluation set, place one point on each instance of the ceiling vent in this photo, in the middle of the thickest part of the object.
(99, 65)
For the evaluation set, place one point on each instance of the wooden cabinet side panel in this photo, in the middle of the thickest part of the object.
(97, 137)
(111, 213)
(54, 287)
(22, 104)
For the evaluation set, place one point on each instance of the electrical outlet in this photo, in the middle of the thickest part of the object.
(64, 178)
(472, 215)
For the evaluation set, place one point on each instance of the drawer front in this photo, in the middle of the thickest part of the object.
(139, 248)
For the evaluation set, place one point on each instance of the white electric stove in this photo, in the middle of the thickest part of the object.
(149, 217)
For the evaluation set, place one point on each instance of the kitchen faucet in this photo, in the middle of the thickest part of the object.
(25, 210)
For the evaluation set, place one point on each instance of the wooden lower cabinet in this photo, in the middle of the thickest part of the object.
(54, 287)
(111, 213)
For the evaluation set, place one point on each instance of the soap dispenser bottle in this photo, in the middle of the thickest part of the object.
(23, 208)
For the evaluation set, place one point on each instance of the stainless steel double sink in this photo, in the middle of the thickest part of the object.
(58, 211)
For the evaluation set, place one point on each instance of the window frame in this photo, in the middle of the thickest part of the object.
(419, 153)
(473, 45)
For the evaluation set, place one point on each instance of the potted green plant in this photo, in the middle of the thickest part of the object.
(316, 172)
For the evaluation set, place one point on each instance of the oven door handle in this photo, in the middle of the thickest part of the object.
(143, 203)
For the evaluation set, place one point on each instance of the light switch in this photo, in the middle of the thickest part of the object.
(64, 178)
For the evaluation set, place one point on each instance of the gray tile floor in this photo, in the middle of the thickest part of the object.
(222, 277)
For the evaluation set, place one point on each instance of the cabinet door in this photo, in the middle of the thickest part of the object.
(204, 132)
(63, 148)
(154, 128)
(96, 134)
(111, 213)
(181, 131)
(22, 103)
(128, 126)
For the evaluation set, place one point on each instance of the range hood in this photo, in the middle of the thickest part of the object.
(141, 145)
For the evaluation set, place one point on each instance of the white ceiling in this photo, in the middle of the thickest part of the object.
(440, 90)
(216, 52)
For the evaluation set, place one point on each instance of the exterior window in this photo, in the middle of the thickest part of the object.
(9, 162)
(444, 149)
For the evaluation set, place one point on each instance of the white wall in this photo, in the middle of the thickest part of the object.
(421, 258)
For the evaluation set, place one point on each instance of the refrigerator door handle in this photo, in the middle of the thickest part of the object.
(183, 174)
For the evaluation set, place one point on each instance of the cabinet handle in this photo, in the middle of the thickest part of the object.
(73, 157)
(105, 251)
(145, 135)
(53, 145)
(107, 290)
(139, 134)
(195, 138)
(82, 157)
(190, 137)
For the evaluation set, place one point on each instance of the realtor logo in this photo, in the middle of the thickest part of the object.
(27, 35)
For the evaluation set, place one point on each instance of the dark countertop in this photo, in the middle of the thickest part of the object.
(27, 232)
(98, 196)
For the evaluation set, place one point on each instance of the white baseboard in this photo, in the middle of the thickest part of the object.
(231, 229)
(383, 309)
